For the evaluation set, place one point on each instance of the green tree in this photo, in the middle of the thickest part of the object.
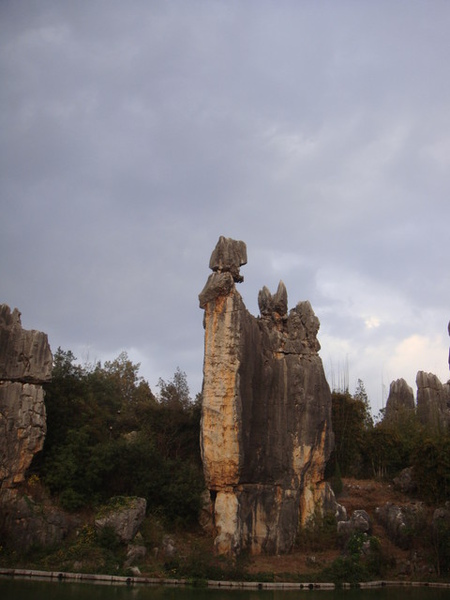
(349, 417)
(361, 395)
(124, 373)
(390, 444)
(431, 464)
(108, 436)
(382, 452)
(175, 393)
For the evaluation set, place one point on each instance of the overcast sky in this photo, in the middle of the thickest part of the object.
(134, 134)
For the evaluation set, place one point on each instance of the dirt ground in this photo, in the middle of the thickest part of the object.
(356, 494)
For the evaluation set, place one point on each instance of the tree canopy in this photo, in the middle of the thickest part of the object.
(108, 435)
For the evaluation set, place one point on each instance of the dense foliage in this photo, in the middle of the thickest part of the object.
(367, 450)
(109, 435)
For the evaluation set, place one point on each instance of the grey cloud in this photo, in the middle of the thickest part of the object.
(133, 135)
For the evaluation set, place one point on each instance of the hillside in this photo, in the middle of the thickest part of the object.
(195, 550)
(189, 553)
(357, 494)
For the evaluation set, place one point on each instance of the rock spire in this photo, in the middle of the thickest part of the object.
(266, 416)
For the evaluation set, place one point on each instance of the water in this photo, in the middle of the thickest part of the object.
(18, 589)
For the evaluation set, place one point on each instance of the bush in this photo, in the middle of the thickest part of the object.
(319, 533)
(345, 570)
(441, 546)
(431, 467)
(107, 538)
(109, 436)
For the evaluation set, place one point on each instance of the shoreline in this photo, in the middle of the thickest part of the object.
(250, 585)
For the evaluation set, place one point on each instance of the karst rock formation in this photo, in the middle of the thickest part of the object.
(400, 400)
(432, 406)
(25, 364)
(266, 413)
(433, 400)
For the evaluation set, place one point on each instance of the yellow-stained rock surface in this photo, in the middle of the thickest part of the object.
(266, 414)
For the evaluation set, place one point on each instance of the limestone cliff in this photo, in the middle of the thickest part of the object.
(400, 400)
(25, 363)
(266, 416)
(433, 401)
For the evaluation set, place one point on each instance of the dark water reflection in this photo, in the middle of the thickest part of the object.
(17, 589)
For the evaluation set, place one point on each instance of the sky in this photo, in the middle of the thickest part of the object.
(134, 134)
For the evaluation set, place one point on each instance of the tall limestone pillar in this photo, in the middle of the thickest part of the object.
(266, 415)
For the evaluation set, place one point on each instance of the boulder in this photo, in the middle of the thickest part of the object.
(169, 549)
(135, 553)
(404, 482)
(330, 504)
(400, 522)
(266, 413)
(441, 518)
(228, 256)
(358, 522)
(124, 515)
(442, 514)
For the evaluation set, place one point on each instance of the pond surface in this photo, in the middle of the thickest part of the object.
(20, 589)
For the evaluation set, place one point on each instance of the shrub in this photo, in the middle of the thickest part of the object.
(319, 532)
(345, 570)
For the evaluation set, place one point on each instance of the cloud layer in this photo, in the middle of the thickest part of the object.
(134, 134)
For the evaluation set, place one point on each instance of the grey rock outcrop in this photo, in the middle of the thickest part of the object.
(400, 400)
(433, 401)
(441, 518)
(400, 522)
(266, 415)
(135, 553)
(124, 516)
(405, 482)
(359, 521)
(24, 355)
(25, 364)
(25, 523)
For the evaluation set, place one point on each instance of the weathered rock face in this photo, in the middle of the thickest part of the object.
(124, 517)
(400, 399)
(433, 401)
(359, 521)
(25, 523)
(24, 355)
(441, 517)
(405, 482)
(400, 521)
(25, 363)
(266, 417)
(23, 428)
